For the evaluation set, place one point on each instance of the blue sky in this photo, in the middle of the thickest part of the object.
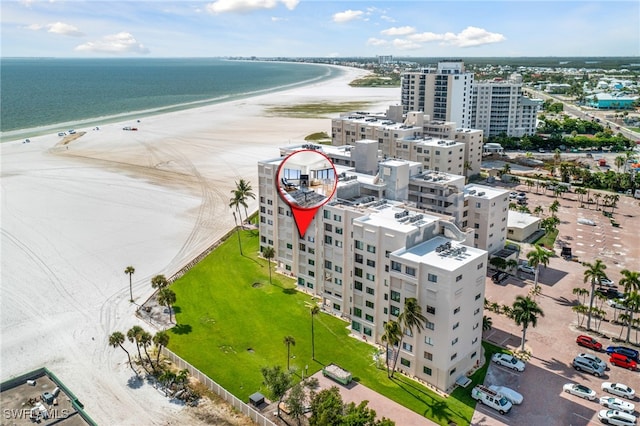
(289, 28)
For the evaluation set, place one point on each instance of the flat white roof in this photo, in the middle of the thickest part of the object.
(487, 191)
(397, 218)
(449, 259)
(520, 220)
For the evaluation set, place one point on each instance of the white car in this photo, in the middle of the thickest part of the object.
(617, 303)
(527, 268)
(617, 404)
(513, 194)
(580, 390)
(606, 282)
(594, 359)
(619, 389)
(508, 361)
(508, 393)
(615, 417)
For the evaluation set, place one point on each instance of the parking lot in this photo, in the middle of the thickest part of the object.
(552, 343)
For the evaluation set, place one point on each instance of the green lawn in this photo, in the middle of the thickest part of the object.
(232, 321)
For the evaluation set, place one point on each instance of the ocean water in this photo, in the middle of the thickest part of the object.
(43, 95)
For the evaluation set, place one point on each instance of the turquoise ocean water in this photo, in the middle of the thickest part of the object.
(40, 96)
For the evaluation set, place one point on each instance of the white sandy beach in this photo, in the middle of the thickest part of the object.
(73, 219)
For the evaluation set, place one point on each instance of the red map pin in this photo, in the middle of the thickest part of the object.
(306, 181)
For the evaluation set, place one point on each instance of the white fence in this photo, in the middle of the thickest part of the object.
(239, 405)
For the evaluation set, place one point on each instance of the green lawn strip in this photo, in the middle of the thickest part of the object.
(232, 321)
(316, 110)
(548, 239)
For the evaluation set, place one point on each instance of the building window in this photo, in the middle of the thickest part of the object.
(407, 347)
(328, 227)
(453, 371)
(371, 277)
(410, 271)
(476, 326)
(328, 239)
(337, 218)
(370, 290)
(338, 231)
(300, 281)
(458, 278)
(371, 249)
(428, 355)
(287, 267)
(357, 285)
(481, 265)
(357, 312)
(432, 278)
(368, 317)
(338, 281)
(473, 342)
(336, 306)
(371, 263)
(456, 325)
(328, 264)
(289, 246)
(477, 296)
(358, 272)
(395, 311)
(396, 266)
(456, 310)
(338, 243)
(477, 311)
(431, 310)
(453, 342)
(327, 214)
(311, 262)
(473, 355)
(405, 362)
(428, 341)
(359, 245)
(367, 331)
(359, 258)
(369, 304)
(355, 325)
(426, 370)
(338, 268)
(395, 296)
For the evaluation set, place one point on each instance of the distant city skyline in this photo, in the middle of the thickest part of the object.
(313, 28)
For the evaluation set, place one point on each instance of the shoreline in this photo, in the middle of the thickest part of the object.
(21, 134)
(74, 216)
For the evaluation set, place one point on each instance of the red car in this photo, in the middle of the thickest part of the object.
(589, 342)
(623, 361)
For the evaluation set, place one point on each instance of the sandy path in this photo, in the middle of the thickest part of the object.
(73, 218)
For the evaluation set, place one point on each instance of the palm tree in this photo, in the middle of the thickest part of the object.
(537, 257)
(505, 169)
(411, 318)
(133, 335)
(159, 282)
(594, 273)
(117, 339)
(487, 323)
(525, 313)
(538, 210)
(236, 201)
(245, 191)
(160, 339)
(597, 196)
(166, 297)
(391, 337)
(314, 311)
(269, 253)
(581, 292)
(145, 341)
(554, 207)
(631, 283)
(632, 304)
(619, 161)
(130, 270)
(580, 310)
(289, 340)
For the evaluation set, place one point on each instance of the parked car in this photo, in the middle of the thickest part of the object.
(623, 361)
(583, 364)
(510, 394)
(617, 404)
(498, 277)
(527, 268)
(615, 417)
(628, 352)
(589, 342)
(617, 303)
(594, 359)
(580, 390)
(619, 389)
(606, 282)
(611, 293)
(513, 194)
(507, 360)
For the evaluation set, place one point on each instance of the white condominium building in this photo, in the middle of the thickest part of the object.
(486, 211)
(439, 146)
(499, 107)
(443, 93)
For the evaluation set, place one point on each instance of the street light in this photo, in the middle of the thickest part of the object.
(237, 231)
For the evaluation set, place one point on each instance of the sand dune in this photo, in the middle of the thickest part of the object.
(74, 216)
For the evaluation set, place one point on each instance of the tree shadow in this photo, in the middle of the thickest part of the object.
(135, 382)
(289, 291)
(176, 309)
(181, 329)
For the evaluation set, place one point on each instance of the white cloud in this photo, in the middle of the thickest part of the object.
(403, 44)
(376, 42)
(34, 27)
(64, 29)
(469, 37)
(246, 6)
(398, 31)
(277, 19)
(347, 15)
(122, 42)
(387, 18)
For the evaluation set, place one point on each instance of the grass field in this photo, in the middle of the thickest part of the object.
(232, 321)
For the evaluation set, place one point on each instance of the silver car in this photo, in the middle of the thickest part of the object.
(583, 364)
